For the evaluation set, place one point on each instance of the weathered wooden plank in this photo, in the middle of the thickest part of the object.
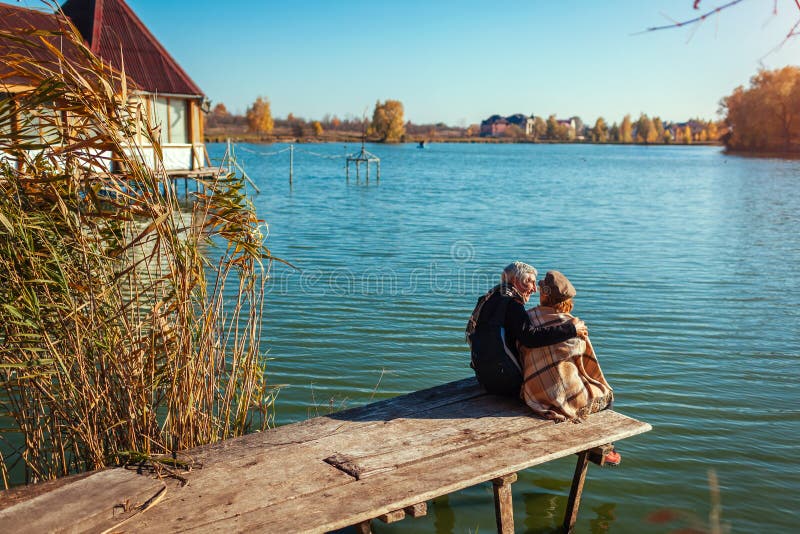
(19, 494)
(418, 510)
(353, 420)
(357, 501)
(404, 451)
(403, 441)
(93, 503)
(393, 516)
(226, 490)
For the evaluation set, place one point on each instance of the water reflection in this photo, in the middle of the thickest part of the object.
(444, 518)
(605, 516)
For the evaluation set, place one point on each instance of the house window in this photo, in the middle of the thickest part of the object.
(178, 123)
(171, 114)
(40, 126)
(161, 118)
(7, 115)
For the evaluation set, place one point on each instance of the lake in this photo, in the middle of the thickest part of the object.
(686, 264)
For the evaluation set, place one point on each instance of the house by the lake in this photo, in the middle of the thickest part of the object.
(497, 125)
(113, 32)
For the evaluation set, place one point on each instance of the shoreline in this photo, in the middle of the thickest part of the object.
(356, 138)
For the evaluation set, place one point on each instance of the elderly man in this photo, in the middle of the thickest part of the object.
(499, 322)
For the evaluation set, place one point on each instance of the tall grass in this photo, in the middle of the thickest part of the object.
(115, 335)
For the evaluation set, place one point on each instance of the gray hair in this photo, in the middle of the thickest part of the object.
(519, 271)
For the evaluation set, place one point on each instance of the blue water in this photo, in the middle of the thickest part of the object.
(686, 264)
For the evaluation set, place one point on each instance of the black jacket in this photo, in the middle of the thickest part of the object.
(498, 322)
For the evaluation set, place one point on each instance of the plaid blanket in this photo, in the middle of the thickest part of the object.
(562, 381)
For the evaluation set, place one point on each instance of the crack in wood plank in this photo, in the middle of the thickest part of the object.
(344, 464)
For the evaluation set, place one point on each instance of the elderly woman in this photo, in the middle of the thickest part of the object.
(499, 325)
(563, 380)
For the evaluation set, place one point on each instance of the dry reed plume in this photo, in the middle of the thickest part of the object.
(117, 333)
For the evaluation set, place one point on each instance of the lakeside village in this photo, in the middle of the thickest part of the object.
(517, 128)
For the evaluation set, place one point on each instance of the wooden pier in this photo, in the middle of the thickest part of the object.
(381, 461)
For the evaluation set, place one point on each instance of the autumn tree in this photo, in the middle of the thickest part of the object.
(645, 130)
(317, 127)
(600, 131)
(687, 135)
(539, 128)
(259, 116)
(765, 116)
(713, 131)
(613, 133)
(220, 110)
(218, 116)
(387, 121)
(296, 124)
(552, 127)
(658, 124)
(513, 132)
(626, 130)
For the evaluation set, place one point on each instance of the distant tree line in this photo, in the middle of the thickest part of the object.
(651, 131)
(388, 125)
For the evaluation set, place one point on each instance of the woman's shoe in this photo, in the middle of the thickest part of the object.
(612, 458)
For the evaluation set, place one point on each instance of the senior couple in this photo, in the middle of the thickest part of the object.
(542, 355)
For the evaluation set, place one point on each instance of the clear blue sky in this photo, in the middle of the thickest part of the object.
(460, 61)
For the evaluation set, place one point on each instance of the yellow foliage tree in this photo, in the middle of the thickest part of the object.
(766, 116)
(387, 121)
(259, 116)
(600, 131)
(687, 135)
(317, 127)
(626, 130)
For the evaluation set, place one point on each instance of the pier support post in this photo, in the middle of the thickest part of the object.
(365, 527)
(503, 506)
(574, 501)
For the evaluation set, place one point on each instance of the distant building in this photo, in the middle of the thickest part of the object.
(493, 126)
(113, 32)
(496, 125)
(524, 122)
(677, 130)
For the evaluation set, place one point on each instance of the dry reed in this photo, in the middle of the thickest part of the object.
(117, 333)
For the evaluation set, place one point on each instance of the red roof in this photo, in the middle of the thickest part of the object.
(18, 20)
(110, 25)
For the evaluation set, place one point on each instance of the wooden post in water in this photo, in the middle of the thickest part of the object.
(503, 506)
(574, 501)
(291, 163)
